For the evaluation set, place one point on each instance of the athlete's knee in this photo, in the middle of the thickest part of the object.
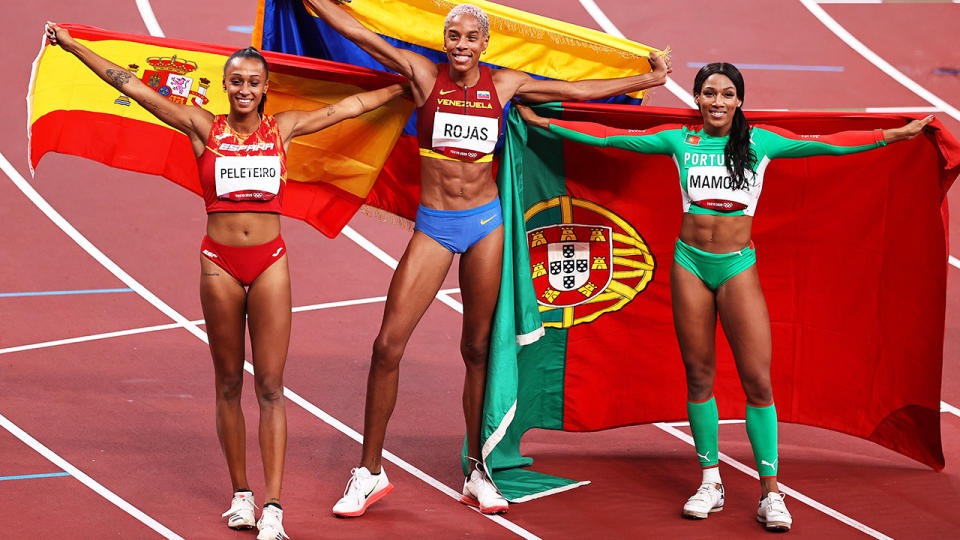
(269, 388)
(758, 390)
(229, 386)
(474, 352)
(387, 352)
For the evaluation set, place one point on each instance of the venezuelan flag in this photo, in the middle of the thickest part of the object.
(542, 47)
(330, 173)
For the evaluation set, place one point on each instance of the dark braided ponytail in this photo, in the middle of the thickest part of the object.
(251, 52)
(737, 155)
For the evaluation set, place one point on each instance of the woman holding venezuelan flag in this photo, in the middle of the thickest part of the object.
(459, 110)
(714, 271)
(244, 277)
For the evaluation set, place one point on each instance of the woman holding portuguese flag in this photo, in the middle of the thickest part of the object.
(721, 167)
(244, 277)
(459, 111)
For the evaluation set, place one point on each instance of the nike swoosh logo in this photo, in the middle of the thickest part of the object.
(485, 221)
(278, 252)
(445, 92)
(371, 490)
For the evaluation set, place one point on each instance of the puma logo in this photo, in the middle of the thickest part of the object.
(278, 252)
(445, 92)
(704, 457)
(768, 464)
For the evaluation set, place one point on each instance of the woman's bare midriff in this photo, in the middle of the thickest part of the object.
(242, 229)
(455, 185)
(716, 234)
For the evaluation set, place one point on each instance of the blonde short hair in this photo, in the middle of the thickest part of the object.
(473, 11)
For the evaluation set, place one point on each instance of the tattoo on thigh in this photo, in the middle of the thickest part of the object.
(118, 76)
(211, 274)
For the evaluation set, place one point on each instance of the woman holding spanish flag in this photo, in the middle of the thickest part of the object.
(459, 112)
(244, 277)
(721, 165)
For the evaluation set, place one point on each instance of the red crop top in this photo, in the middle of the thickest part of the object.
(243, 175)
(460, 123)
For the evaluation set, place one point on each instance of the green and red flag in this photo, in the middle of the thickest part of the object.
(852, 258)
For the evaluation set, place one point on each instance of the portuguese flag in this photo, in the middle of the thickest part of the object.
(852, 258)
(330, 173)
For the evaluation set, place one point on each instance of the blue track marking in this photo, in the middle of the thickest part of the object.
(241, 29)
(55, 293)
(781, 67)
(29, 476)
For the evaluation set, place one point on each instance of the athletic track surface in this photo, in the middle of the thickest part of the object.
(110, 434)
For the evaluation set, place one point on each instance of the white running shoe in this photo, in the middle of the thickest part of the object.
(773, 513)
(707, 499)
(271, 524)
(363, 489)
(479, 491)
(241, 512)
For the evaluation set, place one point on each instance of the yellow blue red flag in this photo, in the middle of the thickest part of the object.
(330, 173)
(542, 47)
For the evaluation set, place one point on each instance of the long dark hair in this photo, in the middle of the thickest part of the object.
(737, 155)
(251, 52)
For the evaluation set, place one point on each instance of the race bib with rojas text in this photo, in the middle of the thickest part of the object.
(247, 178)
(713, 187)
(475, 134)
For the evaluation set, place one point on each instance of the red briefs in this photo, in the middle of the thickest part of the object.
(245, 263)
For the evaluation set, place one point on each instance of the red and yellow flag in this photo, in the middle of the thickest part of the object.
(330, 173)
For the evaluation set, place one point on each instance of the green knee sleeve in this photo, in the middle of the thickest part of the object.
(762, 431)
(704, 424)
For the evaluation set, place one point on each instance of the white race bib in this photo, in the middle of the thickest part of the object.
(714, 186)
(247, 178)
(477, 133)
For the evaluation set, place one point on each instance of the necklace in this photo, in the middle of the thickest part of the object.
(240, 134)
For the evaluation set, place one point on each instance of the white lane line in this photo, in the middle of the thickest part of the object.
(149, 19)
(384, 257)
(875, 59)
(789, 491)
(686, 424)
(953, 260)
(92, 337)
(86, 480)
(608, 27)
(946, 407)
(896, 110)
(161, 327)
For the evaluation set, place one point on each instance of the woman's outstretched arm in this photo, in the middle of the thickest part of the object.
(193, 121)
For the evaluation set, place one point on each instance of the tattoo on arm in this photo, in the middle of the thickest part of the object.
(331, 111)
(119, 77)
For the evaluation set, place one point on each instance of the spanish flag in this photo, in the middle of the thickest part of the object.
(542, 47)
(330, 173)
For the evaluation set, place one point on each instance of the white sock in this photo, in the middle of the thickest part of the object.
(711, 475)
